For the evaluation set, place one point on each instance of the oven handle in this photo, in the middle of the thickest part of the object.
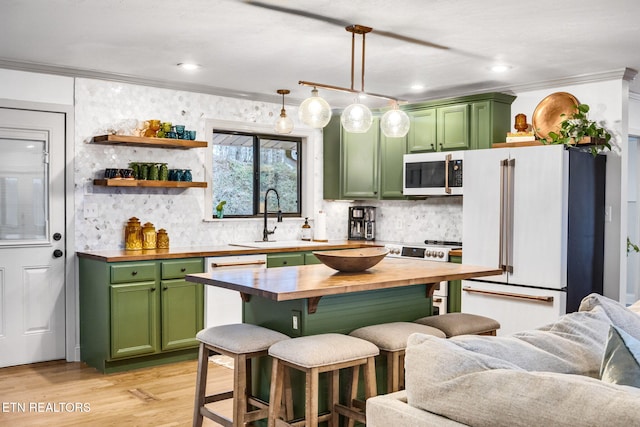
(236, 264)
(447, 159)
(509, 295)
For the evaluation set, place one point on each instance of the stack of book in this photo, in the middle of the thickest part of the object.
(520, 136)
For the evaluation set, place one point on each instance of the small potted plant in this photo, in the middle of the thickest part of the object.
(578, 127)
(220, 209)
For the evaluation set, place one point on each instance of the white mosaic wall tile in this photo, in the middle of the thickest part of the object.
(100, 105)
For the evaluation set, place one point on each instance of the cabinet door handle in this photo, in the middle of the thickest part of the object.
(182, 270)
(164, 288)
(133, 273)
(509, 295)
(237, 264)
(153, 289)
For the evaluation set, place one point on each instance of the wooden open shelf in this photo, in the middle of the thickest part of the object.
(147, 183)
(584, 141)
(141, 141)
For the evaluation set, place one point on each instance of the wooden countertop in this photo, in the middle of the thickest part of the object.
(316, 281)
(117, 255)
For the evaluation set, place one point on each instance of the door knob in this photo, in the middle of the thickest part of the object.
(57, 253)
(57, 236)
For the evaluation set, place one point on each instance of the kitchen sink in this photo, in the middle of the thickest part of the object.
(279, 244)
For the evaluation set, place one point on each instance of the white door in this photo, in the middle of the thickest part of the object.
(538, 241)
(481, 208)
(32, 240)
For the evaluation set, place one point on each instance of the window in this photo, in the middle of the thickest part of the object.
(246, 165)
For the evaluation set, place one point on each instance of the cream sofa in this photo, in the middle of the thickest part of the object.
(546, 377)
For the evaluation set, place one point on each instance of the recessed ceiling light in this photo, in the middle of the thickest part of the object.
(417, 86)
(188, 66)
(500, 68)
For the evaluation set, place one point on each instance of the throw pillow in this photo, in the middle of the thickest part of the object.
(620, 315)
(635, 307)
(621, 362)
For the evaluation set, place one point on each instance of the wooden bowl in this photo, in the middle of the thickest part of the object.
(351, 260)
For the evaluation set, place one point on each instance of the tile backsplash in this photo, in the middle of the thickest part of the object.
(101, 105)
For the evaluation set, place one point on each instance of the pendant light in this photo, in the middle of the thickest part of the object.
(356, 118)
(314, 111)
(395, 122)
(284, 124)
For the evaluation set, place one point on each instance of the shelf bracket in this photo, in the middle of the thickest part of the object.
(312, 304)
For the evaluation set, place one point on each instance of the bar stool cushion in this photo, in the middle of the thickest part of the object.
(323, 349)
(240, 337)
(453, 324)
(393, 336)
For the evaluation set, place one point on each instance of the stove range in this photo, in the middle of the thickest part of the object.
(430, 250)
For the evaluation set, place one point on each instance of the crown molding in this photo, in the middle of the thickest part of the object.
(131, 79)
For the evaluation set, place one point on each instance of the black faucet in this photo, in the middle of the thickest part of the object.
(265, 231)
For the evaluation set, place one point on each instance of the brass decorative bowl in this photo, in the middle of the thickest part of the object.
(352, 260)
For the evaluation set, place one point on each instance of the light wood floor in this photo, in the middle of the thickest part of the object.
(158, 396)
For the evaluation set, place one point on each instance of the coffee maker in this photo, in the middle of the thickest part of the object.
(362, 223)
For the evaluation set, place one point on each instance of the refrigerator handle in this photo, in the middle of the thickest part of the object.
(503, 207)
(511, 203)
(447, 159)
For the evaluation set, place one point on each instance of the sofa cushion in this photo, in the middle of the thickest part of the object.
(620, 316)
(621, 361)
(575, 344)
(480, 389)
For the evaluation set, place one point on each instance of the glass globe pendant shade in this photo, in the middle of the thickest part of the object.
(395, 123)
(284, 124)
(356, 118)
(314, 111)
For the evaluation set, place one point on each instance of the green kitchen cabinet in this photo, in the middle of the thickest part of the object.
(422, 134)
(391, 151)
(469, 122)
(361, 166)
(285, 259)
(453, 127)
(135, 314)
(289, 259)
(360, 163)
(454, 299)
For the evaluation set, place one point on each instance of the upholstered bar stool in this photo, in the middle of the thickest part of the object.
(242, 342)
(314, 355)
(391, 339)
(453, 324)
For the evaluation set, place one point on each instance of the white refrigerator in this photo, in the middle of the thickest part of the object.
(537, 213)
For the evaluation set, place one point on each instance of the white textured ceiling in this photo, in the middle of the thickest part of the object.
(250, 48)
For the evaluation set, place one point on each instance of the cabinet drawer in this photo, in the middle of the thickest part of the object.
(178, 268)
(133, 272)
(285, 260)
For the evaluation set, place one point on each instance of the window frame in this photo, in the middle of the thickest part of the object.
(258, 138)
(310, 138)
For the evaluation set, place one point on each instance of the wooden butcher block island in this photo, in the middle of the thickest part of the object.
(311, 299)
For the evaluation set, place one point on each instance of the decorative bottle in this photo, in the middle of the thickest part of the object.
(162, 239)
(148, 236)
(133, 235)
(306, 230)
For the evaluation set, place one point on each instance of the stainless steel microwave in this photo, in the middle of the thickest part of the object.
(432, 174)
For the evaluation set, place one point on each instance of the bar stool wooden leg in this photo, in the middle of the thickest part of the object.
(334, 397)
(370, 378)
(311, 407)
(201, 384)
(275, 391)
